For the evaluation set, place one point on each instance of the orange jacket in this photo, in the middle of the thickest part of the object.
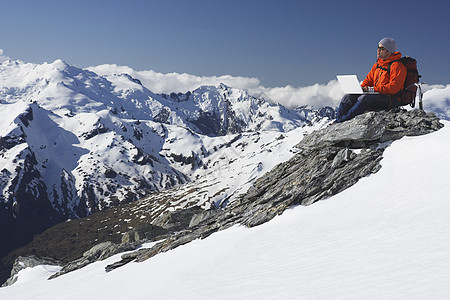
(384, 82)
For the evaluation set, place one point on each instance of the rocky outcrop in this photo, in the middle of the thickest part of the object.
(97, 253)
(372, 128)
(143, 232)
(28, 262)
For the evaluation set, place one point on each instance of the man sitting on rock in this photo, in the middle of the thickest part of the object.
(380, 79)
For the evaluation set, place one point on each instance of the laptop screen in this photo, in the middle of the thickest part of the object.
(350, 84)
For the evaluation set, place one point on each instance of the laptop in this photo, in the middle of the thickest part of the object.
(350, 85)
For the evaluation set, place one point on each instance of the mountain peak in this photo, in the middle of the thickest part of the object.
(60, 64)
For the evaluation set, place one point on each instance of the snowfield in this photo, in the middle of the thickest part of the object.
(384, 238)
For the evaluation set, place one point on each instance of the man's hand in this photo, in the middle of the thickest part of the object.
(367, 88)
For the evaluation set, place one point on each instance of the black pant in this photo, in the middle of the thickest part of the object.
(356, 104)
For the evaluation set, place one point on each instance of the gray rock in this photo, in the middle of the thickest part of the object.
(144, 232)
(177, 220)
(343, 156)
(23, 262)
(97, 253)
(202, 217)
(373, 127)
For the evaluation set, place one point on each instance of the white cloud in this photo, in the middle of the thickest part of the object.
(175, 82)
(317, 95)
(3, 58)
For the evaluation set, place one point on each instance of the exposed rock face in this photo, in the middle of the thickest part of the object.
(96, 253)
(28, 262)
(308, 177)
(373, 127)
(331, 160)
(328, 161)
(143, 232)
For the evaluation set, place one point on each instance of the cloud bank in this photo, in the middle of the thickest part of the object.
(316, 96)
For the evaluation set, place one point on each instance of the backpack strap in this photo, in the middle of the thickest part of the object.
(388, 69)
(384, 69)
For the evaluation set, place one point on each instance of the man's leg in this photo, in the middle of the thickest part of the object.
(346, 104)
(367, 102)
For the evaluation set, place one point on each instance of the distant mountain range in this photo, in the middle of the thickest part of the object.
(73, 143)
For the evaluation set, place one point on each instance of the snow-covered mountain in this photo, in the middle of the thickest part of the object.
(73, 142)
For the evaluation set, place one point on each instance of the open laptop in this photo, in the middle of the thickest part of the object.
(350, 85)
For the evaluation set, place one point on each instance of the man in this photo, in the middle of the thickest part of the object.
(386, 83)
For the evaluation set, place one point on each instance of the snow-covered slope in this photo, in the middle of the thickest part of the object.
(384, 238)
(437, 99)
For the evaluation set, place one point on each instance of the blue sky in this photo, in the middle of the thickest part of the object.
(280, 42)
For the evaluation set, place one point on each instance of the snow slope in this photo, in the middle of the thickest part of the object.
(384, 238)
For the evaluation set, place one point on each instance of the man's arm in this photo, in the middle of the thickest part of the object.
(368, 81)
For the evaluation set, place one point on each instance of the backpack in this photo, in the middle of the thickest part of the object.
(409, 92)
